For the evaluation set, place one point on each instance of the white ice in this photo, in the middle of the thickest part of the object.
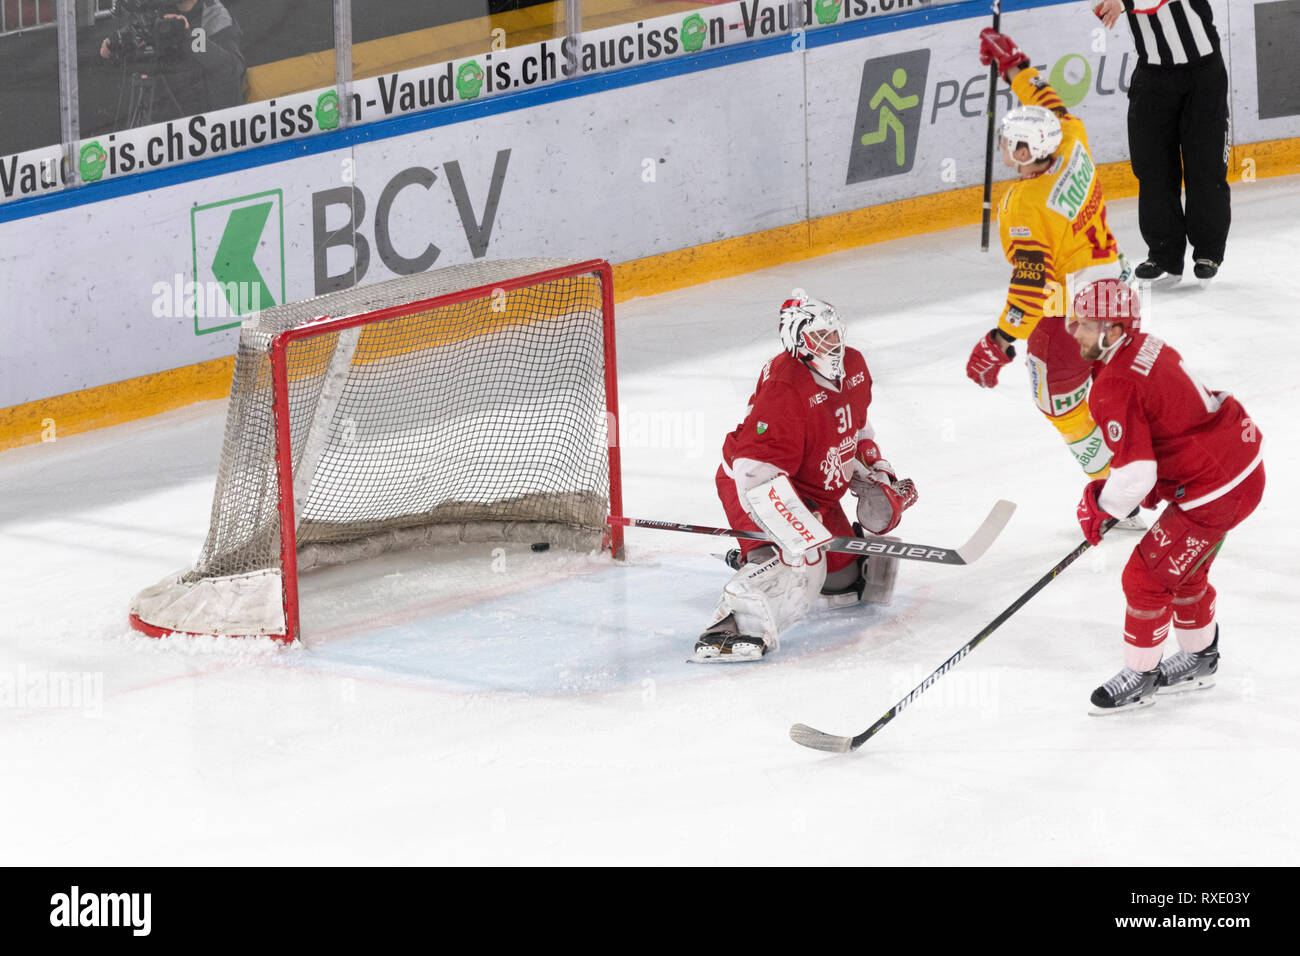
(515, 707)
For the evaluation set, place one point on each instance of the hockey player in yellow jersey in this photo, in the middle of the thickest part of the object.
(1052, 222)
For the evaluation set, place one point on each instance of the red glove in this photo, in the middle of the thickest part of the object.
(882, 498)
(1090, 514)
(987, 359)
(1003, 49)
(868, 453)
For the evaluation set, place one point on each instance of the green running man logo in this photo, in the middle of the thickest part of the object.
(887, 128)
(889, 121)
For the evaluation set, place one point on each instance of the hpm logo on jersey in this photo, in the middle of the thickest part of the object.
(889, 116)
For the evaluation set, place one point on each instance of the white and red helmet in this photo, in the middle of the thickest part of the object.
(1110, 302)
(813, 332)
(1035, 126)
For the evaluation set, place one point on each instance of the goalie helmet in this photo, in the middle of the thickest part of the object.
(1110, 302)
(812, 331)
(1035, 126)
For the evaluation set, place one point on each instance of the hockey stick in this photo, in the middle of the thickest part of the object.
(968, 553)
(988, 145)
(819, 740)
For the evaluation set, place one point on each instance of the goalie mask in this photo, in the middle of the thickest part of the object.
(812, 331)
(1035, 126)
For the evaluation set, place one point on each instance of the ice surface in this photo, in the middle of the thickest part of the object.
(517, 707)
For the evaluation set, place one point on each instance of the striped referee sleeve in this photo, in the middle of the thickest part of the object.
(1172, 32)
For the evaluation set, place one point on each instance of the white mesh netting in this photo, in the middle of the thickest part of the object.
(480, 420)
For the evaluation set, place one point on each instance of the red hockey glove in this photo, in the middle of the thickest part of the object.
(1090, 514)
(987, 359)
(882, 498)
(1152, 500)
(1001, 48)
(868, 454)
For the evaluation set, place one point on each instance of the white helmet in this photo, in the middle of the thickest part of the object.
(812, 331)
(1035, 126)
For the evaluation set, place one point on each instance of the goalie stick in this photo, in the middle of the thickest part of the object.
(819, 740)
(967, 553)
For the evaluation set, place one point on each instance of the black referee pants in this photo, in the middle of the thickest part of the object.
(1178, 132)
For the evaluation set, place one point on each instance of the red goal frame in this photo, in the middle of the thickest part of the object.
(325, 325)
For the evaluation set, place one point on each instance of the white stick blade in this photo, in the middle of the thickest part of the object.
(809, 737)
(988, 532)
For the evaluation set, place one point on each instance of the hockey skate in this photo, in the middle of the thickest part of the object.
(1154, 276)
(723, 643)
(1205, 270)
(1131, 522)
(1186, 671)
(1127, 691)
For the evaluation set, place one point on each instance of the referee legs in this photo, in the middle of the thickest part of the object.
(1204, 135)
(1155, 110)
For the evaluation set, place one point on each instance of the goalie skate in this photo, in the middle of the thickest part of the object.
(723, 643)
(1186, 671)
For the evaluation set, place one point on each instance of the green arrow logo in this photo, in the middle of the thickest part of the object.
(241, 281)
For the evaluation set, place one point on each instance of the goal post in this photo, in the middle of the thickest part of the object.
(475, 403)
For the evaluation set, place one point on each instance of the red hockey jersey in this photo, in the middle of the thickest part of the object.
(803, 428)
(1151, 408)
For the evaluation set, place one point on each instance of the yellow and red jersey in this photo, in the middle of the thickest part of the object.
(1053, 224)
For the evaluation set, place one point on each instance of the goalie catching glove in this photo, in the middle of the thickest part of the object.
(882, 498)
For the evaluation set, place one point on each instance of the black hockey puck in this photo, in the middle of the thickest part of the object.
(542, 546)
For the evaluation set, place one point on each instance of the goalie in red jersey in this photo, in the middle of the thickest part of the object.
(804, 442)
(1172, 440)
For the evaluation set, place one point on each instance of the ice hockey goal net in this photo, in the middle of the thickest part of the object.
(474, 403)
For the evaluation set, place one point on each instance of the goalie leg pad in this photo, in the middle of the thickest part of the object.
(881, 571)
(768, 598)
(873, 584)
